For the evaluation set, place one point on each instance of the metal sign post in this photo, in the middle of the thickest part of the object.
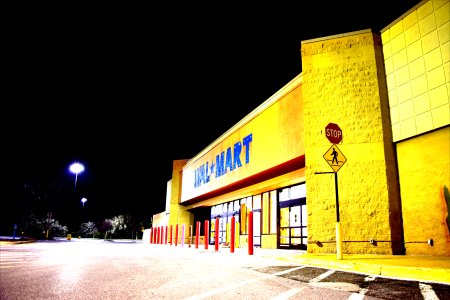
(336, 159)
(338, 224)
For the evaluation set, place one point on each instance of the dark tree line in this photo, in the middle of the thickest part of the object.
(50, 209)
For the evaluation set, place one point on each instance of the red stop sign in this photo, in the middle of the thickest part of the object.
(333, 133)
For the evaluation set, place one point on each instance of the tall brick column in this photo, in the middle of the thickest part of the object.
(178, 213)
(344, 83)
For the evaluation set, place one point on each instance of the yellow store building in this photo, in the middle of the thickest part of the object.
(381, 102)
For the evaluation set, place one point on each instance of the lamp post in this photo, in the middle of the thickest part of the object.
(76, 168)
(83, 200)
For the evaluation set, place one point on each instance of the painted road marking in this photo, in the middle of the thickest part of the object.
(427, 292)
(239, 284)
(363, 291)
(322, 276)
(290, 293)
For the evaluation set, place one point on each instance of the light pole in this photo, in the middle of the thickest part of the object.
(83, 200)
(76, 168)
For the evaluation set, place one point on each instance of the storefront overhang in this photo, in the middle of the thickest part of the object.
(290, 172)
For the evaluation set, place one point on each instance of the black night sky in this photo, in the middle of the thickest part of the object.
(127, 89)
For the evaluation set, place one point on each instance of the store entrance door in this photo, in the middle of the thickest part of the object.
(293, 232)
(257, 228)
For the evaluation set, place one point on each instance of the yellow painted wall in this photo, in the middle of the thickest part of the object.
(277, 137)
(424, 169)
(343, 83)
(160, 219)
(269, 241)
(177, 212)
(243, 241)
(417, 57)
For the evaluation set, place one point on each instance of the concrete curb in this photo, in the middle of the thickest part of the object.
(16, 242)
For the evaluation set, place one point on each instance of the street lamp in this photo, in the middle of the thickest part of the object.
(76, 168)
(83, 200)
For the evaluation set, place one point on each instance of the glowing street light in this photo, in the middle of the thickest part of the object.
(83, 200)
(76, 168)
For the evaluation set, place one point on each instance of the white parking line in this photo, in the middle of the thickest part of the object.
(239, 284)
(288, 271)
(288, 294)
(355, 296)
(427, 292)
(322, 276)
(362, 292)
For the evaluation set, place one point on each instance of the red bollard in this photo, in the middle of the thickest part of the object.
(183, 230)
(166, 236)
(216, 236)
(158, 237)
(151, 235)
(190, 235)
(232, 233)
(206, 234)
(197, 234)
(176, 235)
(250, 233)
(171, 235)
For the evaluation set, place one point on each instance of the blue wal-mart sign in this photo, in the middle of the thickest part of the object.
(225, 162)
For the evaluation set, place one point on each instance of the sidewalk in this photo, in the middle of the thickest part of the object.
(406, 267)
(421, 268)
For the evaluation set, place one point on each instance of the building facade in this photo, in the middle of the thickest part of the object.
(387, 182)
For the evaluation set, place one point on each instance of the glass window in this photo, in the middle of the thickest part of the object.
(243, 218)
(284, 194)
(236, 206)
(249, 202)
(257, 202)
(266, 213)
(304, 214)
(273, 212)
(230, 207)
(257, 228)
(298, 191)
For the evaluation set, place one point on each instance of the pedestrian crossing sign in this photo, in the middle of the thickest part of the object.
(335, 158)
